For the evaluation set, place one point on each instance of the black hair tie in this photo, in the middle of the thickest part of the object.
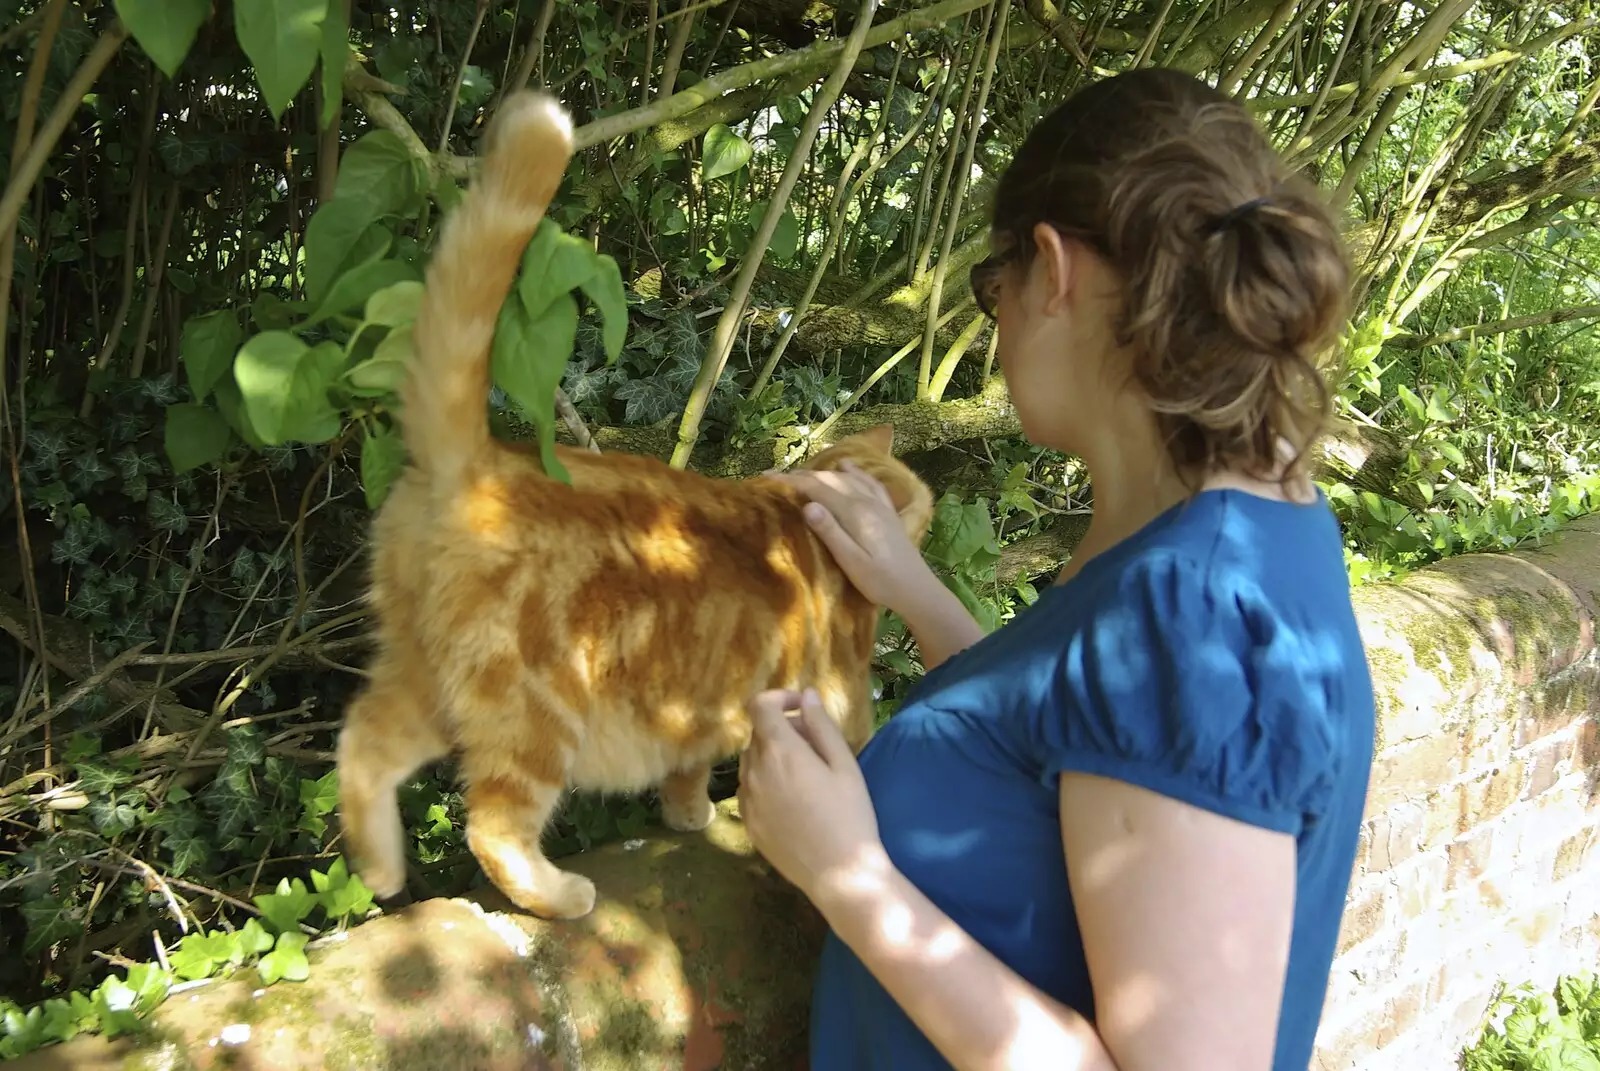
(1234, 215)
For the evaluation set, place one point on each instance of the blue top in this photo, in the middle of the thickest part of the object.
(1212, 657)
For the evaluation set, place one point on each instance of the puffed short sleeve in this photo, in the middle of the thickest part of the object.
(1188, 682)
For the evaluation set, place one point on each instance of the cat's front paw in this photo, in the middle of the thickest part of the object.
(688, 817)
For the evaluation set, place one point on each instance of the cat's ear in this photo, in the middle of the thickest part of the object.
(880, 438)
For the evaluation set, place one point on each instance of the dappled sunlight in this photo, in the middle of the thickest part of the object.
(664, 547)
(484, 511)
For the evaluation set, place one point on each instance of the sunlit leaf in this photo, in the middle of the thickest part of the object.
(724, 152)
(282, 38)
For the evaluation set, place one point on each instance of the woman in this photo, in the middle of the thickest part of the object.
(1119, 831)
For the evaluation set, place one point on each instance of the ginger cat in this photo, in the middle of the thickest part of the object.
(604, 635)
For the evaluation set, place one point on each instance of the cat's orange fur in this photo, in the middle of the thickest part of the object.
(603, 635)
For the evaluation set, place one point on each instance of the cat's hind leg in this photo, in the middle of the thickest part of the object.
(685, 802)
(516, 774)
(388, 733)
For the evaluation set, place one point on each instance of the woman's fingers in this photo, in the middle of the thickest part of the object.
(821, 731)
(867, 483)
(769, 712)
(851, 556)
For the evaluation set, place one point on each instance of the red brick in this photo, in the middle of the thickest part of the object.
(1393, 837)
(1421, 884)
(1492, 793)
(1573, 852)
(1364, 915)
(1402, 772)
(1363, 851)
(1442, 821)
(1471, 856)
(1492, 895)
(1403, 1011)
(1490, 738)
(1562, 700)
(1548, 757)
(1355, 1040)
(1536, 927)
(1466, 1020)
(1588, 749)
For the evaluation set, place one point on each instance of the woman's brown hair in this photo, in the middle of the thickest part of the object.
(1234, 276)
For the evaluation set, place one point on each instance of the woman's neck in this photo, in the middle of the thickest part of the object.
(1134, 481)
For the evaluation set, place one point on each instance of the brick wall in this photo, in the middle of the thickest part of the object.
(1480, 856)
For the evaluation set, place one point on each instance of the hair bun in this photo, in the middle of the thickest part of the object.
(1234, 275)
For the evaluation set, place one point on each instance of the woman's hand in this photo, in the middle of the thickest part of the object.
(802, 796)
(854, 517)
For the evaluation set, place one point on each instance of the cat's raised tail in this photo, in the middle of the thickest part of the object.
(445, 395)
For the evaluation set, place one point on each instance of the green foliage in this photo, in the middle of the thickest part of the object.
(283, 39)
(196, 435)
(286, 961)
(165, 29)
(725, 152)
(1536, 1030)
(538, 325)
(118, 1005)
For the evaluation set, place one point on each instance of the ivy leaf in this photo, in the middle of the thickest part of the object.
(341, 893)
(196, 435)
(253, 938)
(287, 905)
(66, 1019)
(318, 797)
(530, 354)
(115, 1005)
(149, 984)
(282, 38)
(49, 920)
(246, 746)
(335, 54)
(351, 898)
(207, 346)
(648, 400)
(25, 1031)
(723, 153)
(285, 385)
(959, 530)
(165, 29)
(383, 458)
(234, 805)
(189, 852)
(359, 284)
(200, 955)
(286, 961)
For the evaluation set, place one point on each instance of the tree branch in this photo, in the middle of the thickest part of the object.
(818, 57)
(1498, 327)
